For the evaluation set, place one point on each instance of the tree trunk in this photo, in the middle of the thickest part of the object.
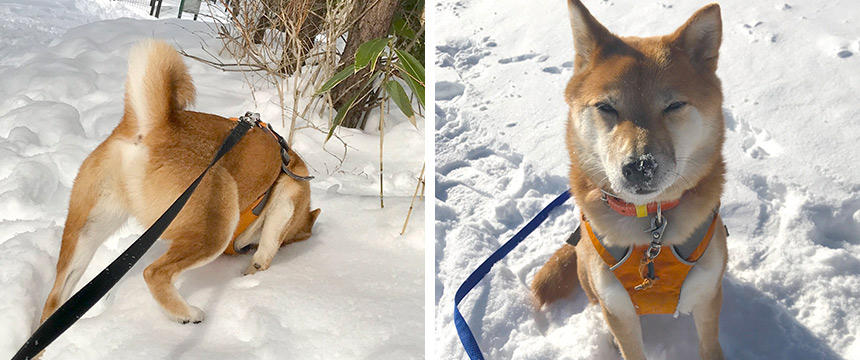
(375, 23)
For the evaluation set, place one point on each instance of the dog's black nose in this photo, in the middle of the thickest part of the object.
(639, 171)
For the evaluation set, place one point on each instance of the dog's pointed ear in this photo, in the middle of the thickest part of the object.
(588, 33)
(700, 37)
(314, 215)
(306, 232)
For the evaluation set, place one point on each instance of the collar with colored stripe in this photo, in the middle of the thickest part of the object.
(628, 209)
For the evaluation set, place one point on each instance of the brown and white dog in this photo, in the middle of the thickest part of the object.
(646, 126)
(154, 153)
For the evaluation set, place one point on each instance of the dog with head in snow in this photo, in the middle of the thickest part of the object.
(644, 135)
(155, 152)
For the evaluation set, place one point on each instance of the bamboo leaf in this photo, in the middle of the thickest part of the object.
(417, 88)
(396, 92)
(341, 114)
(368, 52)
(410, 65)
(336, 79)
(412, 72)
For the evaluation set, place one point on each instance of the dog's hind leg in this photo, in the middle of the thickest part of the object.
(199, 234)
(94, 214)
(706, 315)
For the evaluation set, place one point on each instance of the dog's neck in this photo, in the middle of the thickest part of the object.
(694, 206)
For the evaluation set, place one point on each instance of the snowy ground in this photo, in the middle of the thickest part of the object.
(791, 75)
(352, 291)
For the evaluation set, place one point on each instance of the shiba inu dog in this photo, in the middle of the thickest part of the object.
(644, 135)
(154, 153)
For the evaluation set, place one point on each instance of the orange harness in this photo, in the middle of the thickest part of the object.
(251, 213)
(653, 283)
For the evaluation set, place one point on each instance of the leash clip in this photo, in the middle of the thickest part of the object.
(658, 227)
(251, 118)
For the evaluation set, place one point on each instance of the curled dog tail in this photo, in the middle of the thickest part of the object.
(557, 278)
(158, 85)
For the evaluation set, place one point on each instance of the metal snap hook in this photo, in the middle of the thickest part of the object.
(657, 228)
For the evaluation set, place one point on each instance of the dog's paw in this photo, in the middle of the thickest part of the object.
(254, 267)
(193, 316)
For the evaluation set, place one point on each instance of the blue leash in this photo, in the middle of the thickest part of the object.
(466, 336)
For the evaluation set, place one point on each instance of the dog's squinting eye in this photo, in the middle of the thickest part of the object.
(674, 106)
(606, 108)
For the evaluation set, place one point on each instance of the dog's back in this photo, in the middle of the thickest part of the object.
(158, 91)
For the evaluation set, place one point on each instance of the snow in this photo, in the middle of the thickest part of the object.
(354, 290)
(791, 75)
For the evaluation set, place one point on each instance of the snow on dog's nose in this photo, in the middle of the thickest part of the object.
(640, 172)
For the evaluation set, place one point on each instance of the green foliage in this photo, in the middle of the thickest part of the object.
(410, 66)
(396, 92)
(368, 53)
(384, 64)
(393, 64)
(336, 79)
(393, 60)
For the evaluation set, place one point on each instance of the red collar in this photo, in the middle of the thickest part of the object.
(627, 209)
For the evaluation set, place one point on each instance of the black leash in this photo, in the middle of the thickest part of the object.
(83, 300)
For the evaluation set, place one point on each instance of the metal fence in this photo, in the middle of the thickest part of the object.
(189, 6)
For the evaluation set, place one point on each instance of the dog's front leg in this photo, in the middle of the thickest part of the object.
(618, 310)
(707, 318)
(627, 329)
(262, 257)
(274, 225)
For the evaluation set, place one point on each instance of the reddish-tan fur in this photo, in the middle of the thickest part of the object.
(154, 153)
(634, 71)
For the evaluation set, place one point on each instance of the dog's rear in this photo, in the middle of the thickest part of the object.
(155, 152)
(158, 85)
